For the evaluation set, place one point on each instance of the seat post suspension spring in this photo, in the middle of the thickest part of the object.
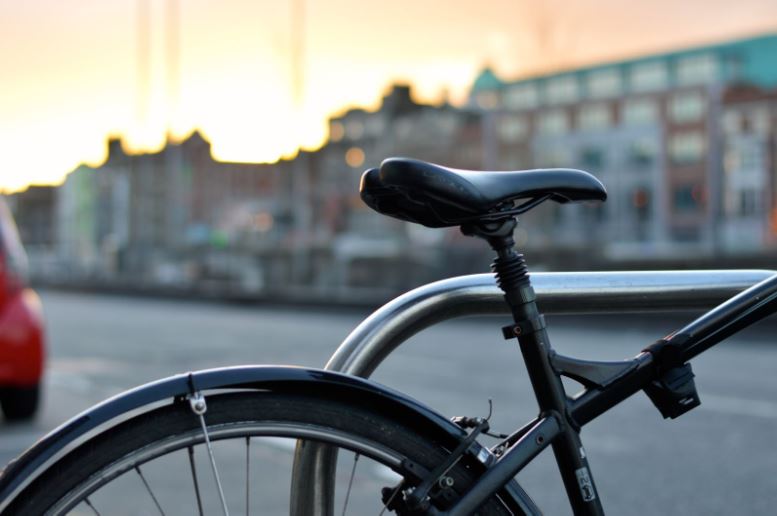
(510, 269)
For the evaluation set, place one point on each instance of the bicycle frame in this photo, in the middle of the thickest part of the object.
(380, 334)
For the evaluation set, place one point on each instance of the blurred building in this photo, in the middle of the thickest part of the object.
(363, 241)
(748, 124)
(686, 143)
(647, 127)
(35, 212)
(169, 217)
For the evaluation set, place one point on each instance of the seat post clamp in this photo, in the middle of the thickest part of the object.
(525, 327)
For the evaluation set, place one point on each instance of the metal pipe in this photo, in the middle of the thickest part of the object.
(557, 293)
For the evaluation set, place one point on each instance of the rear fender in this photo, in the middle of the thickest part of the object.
(114, 411)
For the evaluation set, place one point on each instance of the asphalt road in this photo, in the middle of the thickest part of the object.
(718, 459)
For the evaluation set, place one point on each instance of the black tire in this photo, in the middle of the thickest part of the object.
(20, 403)
(127, 454)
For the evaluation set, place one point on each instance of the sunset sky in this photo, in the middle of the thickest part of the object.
(70, 71)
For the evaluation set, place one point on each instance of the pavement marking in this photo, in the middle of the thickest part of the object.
(739, 406)
(70, 381)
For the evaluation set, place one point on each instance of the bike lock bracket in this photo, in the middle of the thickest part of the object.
(674, 391)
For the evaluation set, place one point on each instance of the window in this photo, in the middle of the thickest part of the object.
(732, 122)
(561, 89)
(698, 69)
(686, 148)
(759, 121)
(514, 159)
(446, 122)
(687, 107)
(642, 154)
(650, 76)
(522, 96)
(604, 83)
(640, 112)
(744, 155)
(375, 125)
(354, 129)
(686, 198)
(743, 202)
(594, 116)
(748, 203)
(592, 158)
(640, 201)
(404, 129)
(554, 122)
(512, 128)
(556, 156)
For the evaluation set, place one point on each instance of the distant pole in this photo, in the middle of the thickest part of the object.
(298, 52)
(300, 173)
(173, 41)
(143, 61)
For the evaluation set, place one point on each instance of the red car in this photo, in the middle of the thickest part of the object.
(22, 348)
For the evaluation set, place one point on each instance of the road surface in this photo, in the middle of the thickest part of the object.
(718, 459)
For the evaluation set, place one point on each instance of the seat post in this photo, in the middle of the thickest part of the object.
(510, 269)
(512, 277)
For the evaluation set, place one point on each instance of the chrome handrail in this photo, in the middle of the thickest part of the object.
(557, 293)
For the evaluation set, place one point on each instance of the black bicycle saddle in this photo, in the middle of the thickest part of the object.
(437, 196)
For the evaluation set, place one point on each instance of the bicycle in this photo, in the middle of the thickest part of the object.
(426, 464)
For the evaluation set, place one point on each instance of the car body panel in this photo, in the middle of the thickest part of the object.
(22, 351)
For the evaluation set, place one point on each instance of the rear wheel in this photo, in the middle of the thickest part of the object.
(159, 462)
(20, 403)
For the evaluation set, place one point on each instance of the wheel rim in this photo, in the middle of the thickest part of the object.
(280, 436)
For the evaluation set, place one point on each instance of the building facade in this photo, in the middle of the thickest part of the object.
(647, 127)
(748, 125)
(686, 143)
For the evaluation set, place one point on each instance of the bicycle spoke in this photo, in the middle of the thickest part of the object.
(194, 479)
(391, 498)
(350, 482)
(89, 504)
(248, 448)
(150, 492)
(199, 407)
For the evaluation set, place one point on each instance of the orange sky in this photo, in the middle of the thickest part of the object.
(69, 68)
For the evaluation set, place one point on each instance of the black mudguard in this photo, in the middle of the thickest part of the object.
(23, 470)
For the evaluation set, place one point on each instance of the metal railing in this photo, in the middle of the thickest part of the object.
(557, 293)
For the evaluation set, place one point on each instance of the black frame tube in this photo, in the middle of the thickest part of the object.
(512, 277)
(739, 312)
(542, 433)
(511, 273)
